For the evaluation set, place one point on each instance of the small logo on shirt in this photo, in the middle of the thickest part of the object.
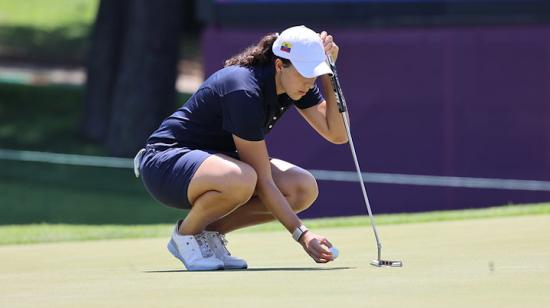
(286, 47)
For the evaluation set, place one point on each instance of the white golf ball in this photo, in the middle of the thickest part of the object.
(334, 252)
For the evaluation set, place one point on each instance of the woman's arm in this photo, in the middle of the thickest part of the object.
(255, 154)
(325, 117)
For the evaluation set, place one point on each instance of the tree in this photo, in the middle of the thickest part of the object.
(131, 71)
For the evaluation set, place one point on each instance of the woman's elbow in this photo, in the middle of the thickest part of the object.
(338, 139)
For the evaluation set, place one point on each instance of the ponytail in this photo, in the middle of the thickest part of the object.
(257, 55)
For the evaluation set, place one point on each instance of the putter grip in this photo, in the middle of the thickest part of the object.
(339, 97)
(340, 100)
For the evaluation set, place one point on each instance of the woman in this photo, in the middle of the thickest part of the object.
(210, 155)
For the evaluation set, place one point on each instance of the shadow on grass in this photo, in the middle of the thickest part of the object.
(61, 45)
(265, 269)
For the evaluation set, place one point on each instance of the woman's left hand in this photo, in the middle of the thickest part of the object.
(330, 47)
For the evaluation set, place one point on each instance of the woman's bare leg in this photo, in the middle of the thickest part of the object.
(297, 185)
(219, 186)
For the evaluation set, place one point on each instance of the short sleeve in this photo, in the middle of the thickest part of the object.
(312, 98)
(243, 115)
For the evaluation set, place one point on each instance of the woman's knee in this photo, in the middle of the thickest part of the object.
(303, 193)
(240, 182)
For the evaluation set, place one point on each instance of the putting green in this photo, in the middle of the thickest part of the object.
(499, 262)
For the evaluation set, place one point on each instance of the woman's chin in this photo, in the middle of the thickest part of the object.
(296, 96)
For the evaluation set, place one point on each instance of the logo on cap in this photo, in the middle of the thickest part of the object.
(286, 47)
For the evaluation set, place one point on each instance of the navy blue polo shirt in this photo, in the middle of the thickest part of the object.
(235, 100)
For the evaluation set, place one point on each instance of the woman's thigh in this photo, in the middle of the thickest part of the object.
(224, 174)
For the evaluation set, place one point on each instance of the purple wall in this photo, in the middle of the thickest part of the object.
(469, 102)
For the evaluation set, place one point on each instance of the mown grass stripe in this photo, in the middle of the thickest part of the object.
(42, 233)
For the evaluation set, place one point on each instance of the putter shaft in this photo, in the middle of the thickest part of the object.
(343, 110)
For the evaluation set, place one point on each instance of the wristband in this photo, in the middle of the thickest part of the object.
(298, 232)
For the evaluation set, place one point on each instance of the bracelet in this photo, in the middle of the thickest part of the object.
(298, 232)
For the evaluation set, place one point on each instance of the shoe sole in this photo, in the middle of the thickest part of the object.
(174, 251)
(235, 267)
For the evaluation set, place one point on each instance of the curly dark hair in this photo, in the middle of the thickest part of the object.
(259, 54)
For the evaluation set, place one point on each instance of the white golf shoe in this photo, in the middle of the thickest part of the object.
(218, 243)
(194, 251)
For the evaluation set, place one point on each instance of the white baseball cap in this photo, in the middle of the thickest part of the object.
(304, 48)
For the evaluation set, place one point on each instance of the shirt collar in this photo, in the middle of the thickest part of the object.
(268, 81)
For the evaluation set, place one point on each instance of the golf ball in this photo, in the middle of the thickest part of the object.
(334, 252)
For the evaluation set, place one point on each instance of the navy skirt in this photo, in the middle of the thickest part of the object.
(166, 172)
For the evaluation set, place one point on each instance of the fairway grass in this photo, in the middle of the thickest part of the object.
(492, 262)
(39, 233)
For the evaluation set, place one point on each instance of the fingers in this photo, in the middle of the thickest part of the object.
(326, 242)
(330, 48)
(328, 44)
(320, 252)
(320, 258)
(317, 247)
(328, 40)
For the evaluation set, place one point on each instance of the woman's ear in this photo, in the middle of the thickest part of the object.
(278, 65)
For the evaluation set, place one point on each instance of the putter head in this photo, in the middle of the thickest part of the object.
(386, 263)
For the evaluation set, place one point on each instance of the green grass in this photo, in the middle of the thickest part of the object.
(49, 14)
(56, 31)
(46, 119)
(48, 193)
(39, 233)
(491, 212)
(496, 262)
(43, 119)
(37, 30)
(47, 233)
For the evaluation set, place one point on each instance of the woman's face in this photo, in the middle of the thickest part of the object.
(289, 81)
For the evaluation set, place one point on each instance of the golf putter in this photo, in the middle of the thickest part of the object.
(342, 107)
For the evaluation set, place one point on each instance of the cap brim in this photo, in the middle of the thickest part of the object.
(312, 69)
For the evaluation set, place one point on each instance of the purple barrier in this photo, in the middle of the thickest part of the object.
(472, 102)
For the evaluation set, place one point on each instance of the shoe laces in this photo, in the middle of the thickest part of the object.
(206, 251)
(224, 242)
(220, 238)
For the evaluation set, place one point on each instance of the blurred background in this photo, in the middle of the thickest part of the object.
(449, 101)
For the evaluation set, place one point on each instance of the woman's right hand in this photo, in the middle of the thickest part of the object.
(317, 247)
